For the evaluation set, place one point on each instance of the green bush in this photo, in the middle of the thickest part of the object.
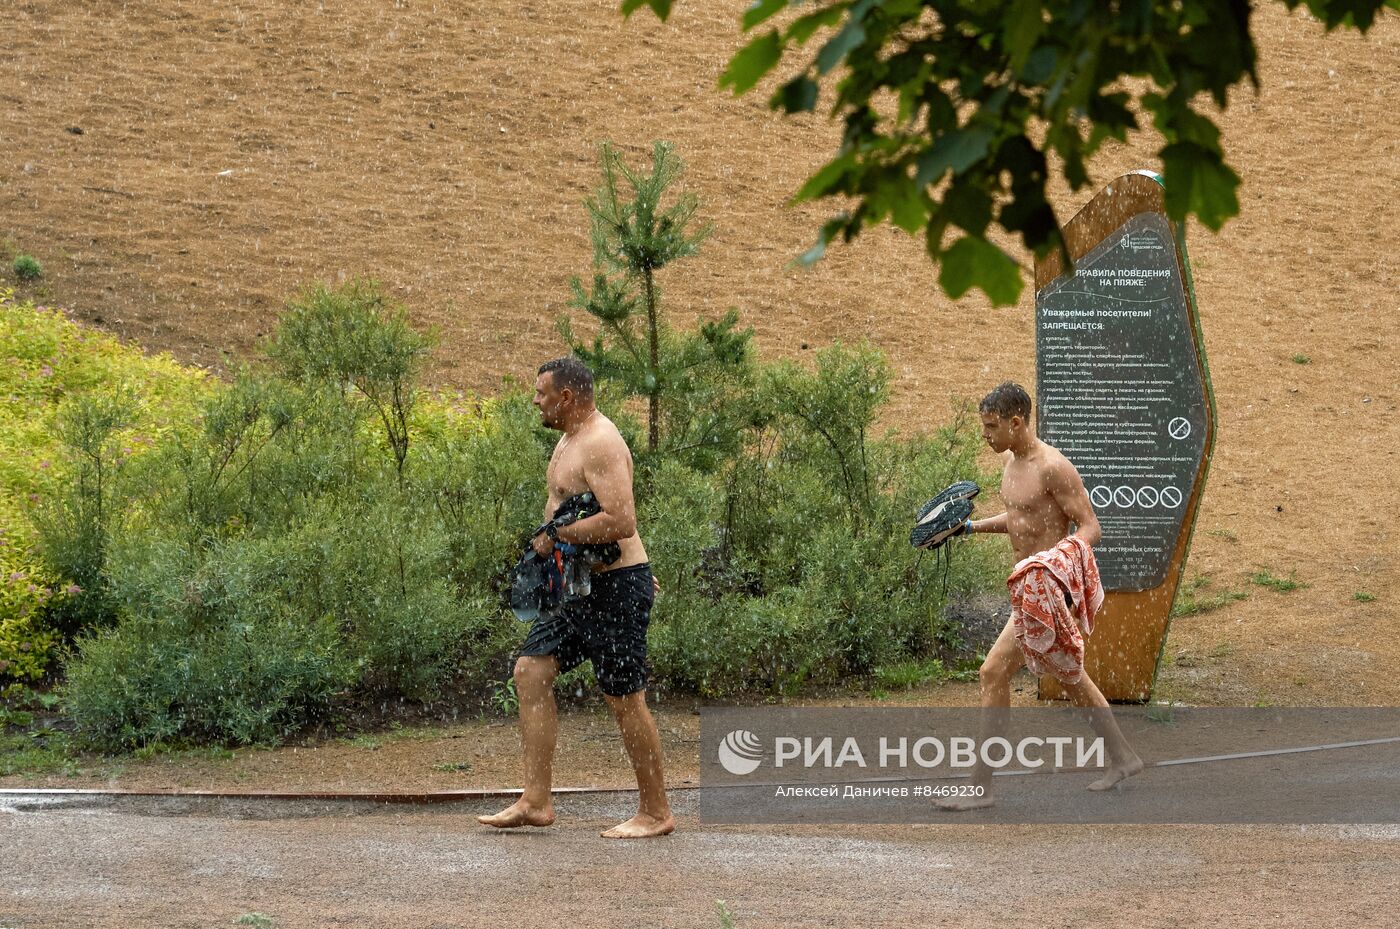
(27, 268)
(775, 519)
(482, 472)
(323, 502)
(26, 647)
(793, 568)
(318, 533)
(159, 681)
(52, 366)
(74, 526)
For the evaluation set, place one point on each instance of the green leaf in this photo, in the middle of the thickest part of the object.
(850, 36)
(1190, 126)
(761, 10)
(1031, 215)
(1023, 25)
(1358, 13)
(907, 209)
(827, 179)
(662, 8)
(798, 95)
(974, 262)
(1199, 183)
(959, 150)
(828, 232)
(751, 62)
(968, 205)
(1040, 65)
(802, 28)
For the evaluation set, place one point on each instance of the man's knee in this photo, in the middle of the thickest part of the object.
(633, 703)
(993, 673)
(534, 673)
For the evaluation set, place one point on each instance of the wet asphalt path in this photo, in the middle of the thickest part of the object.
(179, 863)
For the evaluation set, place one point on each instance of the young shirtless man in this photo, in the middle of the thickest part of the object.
(1044, 496)
(607, 627)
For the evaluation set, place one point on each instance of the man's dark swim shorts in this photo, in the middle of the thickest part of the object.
(608, 627)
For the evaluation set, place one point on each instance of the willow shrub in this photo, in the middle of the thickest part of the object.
(793, 561)
(318, 533)
(322, 508)
(51, 369)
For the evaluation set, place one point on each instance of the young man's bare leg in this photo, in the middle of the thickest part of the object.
(1123, 762)
(1002, 662)
(534, 687)
(643, 744)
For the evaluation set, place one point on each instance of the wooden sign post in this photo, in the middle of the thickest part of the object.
(1123, 390)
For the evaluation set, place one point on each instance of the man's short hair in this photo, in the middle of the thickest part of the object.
(1007, 400)
(569, 372)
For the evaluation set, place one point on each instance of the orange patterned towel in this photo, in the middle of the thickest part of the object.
(1055, 595)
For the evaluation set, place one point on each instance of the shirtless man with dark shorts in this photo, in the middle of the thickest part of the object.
(1044, 496)
(607, 627)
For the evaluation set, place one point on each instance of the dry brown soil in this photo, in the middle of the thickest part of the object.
(232, 152)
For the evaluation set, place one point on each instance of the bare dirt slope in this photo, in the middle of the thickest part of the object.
(231, 152)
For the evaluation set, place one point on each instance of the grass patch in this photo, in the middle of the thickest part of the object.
(1192, 597)
(1266, 578)
(38, 752)
(1188, 659)
(1227, 534)
(453, 766)
(1301, 359)
(1362, 596)
(966, 670)
(257, 921)
(398, 732)
(906, 675)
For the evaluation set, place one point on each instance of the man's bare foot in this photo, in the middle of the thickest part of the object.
(641, 826)
(1118, 773)
(963, 804)
(519, 813)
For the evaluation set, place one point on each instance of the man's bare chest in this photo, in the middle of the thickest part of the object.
(1024, 490)
(565, 476)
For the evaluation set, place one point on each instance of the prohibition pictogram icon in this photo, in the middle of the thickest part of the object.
(1179, 428)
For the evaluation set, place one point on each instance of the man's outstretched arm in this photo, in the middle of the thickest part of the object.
(990, 524)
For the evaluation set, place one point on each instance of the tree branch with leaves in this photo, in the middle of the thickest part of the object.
(958, 112)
